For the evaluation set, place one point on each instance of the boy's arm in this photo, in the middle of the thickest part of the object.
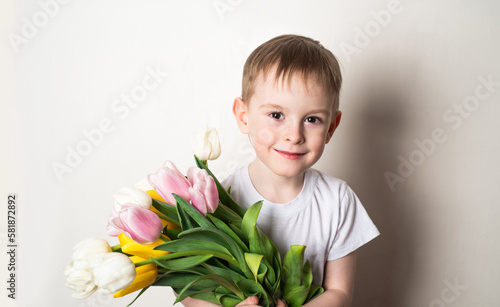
(338, 283)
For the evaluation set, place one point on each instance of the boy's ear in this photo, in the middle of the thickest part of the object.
(240, 114)
(333, 125)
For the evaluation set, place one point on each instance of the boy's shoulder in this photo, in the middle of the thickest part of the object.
(325, 183)
(322, 179)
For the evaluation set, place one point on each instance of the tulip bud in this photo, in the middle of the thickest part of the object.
(204, 194)
(88, 249)
(78, 272)
(145, 276)
(132, 195)
(205, 144)
(145, 251)
(142, 225)
(112, 272)
(79, 280)
(168, 180)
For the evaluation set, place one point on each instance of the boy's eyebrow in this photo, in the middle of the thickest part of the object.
(278, 107)
(271, 106)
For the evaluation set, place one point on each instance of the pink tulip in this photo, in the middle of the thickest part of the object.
(204, 195)
(168, 180)
(140, 224)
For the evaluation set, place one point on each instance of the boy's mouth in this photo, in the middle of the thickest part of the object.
(289, 155)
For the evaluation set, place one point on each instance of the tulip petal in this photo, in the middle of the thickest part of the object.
(205, 143)
(168, 180)
(145, 275)
(198, 200)
(133, 195)
(142, 225)
(113, 272)
(211, 195)
(204, 184)
(145, 251)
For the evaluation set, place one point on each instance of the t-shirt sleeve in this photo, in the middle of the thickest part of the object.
(355, 228)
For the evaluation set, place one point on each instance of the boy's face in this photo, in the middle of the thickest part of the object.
(289, 123)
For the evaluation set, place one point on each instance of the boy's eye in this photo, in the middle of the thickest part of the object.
(313, 119)
(276, 115)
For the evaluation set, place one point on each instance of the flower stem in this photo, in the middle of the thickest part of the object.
(168, 219)
(116, 247)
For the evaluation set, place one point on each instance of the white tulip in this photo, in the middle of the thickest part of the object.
(205, 144)
(79, 280)
(132, 195)
(112, 272)
(144, 185)
(88, 249)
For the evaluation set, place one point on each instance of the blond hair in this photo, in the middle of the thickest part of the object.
(291, 54)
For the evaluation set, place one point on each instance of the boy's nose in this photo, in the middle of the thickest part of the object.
(294, 134)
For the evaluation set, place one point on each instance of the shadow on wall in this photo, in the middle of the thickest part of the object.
(383, 272)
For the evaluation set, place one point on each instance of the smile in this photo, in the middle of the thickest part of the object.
(289, 155)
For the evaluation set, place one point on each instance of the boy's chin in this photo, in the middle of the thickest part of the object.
(288, 172)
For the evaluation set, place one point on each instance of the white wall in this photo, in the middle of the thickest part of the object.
(413, 74)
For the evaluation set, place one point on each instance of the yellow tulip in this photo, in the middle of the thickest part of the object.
(157, 196)
(146, 275)
(145, 251)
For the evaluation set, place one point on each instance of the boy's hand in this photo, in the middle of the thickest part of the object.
(254, 300)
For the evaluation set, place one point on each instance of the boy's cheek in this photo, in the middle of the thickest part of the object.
(263, 135)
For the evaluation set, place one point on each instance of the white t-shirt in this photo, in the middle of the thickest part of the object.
(326, 216)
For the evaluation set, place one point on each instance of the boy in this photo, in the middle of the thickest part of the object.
(289, 109)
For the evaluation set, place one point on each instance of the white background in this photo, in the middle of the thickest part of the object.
(409, 68)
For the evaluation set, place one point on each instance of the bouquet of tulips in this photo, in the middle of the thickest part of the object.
(186, 232)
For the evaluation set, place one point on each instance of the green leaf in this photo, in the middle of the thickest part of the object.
(207, 297)
(259, 243)
(292, 268)
(250, 219)
(307, 275)
(219, 237)
(223, 195)
(251, 288)
(297, 296)
(183, 263)
(172, 233)
(192, 212)
(224, 213)
(184, 219)
(229, 301)
(165, 209)
(236, 227)
(277, 281)
(227, 230)
(253, 261)
(225, 272)
(181, 279)
(261, 273)
(215, 278)
(184, 244)
(314, 291)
